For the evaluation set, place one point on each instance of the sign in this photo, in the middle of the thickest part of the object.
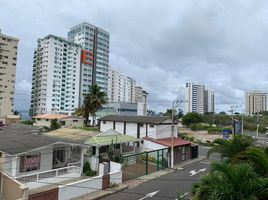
(31, 162)
(225, 134)
(86, 57)
(237, 127)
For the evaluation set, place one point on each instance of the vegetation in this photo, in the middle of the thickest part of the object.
(229, 149)
(231, 181)
(88, 128)
(54, 124)
(87, 170)
(191, 118)
(242, 175)
(27, 122)
(93, 101)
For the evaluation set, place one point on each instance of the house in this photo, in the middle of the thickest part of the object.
(33, 158)
(64, 120)
(139, 126)
(154, 132)
(36, 165)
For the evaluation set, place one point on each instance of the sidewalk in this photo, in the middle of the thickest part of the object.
(135, 182)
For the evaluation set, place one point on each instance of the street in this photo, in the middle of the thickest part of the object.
(167, 186)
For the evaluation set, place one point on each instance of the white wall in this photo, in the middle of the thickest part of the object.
(42, 122)
(106, 126)
(93, 161)
(131, 129)
(119, 127)
(80, 188)
(148, 145)
(165, 131)
(116, 177)
(115, 167)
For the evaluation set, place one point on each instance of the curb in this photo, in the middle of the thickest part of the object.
(109, 193)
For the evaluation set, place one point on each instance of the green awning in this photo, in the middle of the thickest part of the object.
(110, 137)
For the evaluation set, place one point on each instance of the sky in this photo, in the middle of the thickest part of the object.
(160, 43)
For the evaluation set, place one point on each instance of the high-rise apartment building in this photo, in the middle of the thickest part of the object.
(95, 55)
(8, 62)
(141, 97)
(198, 99)
(255, 102)
(121, 88)
(56, 76)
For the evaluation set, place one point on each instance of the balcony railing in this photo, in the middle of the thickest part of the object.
(35, 177)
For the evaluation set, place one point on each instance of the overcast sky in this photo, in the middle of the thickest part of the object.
(160, 43)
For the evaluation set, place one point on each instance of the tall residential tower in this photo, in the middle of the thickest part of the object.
(199, 99)
(95, 55)
(8, 62)
(56, 76)
(255, 102)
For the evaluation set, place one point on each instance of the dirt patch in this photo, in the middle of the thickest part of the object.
(200, 135)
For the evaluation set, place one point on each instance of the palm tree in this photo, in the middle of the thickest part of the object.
(93, 101)
(230, 149)
(231, 181)
(258, 158)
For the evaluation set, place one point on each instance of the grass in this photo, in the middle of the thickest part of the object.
(88, 128)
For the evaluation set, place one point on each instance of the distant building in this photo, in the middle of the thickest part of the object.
(255, 102)
(95, 55)
(56, 76)
(199, 99)
(8, 62)
(141, 96)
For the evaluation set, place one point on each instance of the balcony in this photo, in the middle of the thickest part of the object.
(44, 178)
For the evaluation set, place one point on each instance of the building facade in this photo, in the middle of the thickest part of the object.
(256, 102)
(199, 99)
(141, 97)
(121, 88)
(56, 76)
(95, 55)
(8, 62)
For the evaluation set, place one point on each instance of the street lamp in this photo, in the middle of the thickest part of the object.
(175, 104)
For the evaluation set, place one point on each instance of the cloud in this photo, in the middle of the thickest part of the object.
(161, 44)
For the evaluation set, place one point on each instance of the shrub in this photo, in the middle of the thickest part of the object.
(199, 127)
(87, 170)
(214, 130)
(27, 122)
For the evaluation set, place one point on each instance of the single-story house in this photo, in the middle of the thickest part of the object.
(33, 158)
(64, 120)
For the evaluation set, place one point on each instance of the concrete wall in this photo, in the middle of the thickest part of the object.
(165, 131)
(106, 126)
(42, 122)
(11, 189)
(119, 127)
(80, 188)
(131, 129)
(116, 177)
(115, 167)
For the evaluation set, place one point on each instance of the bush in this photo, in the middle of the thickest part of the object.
(191, 118)
(199, 127)
(27, 122)
(87, 170)
(214, 130)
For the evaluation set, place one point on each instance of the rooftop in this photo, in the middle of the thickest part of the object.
(110, 137)
(19, 138)
(168, 141)
(138, 119)
(53, 116)
(72, 134)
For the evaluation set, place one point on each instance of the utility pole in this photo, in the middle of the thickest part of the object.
(175, 104)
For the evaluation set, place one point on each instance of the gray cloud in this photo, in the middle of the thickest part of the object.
(161, 44)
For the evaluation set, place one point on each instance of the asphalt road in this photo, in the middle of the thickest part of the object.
(167, 186)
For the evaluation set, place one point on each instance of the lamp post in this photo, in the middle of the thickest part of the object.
(175, 104)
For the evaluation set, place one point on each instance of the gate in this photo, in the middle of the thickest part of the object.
(140, 164)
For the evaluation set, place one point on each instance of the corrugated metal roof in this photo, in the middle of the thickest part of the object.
(110, 137)
(168, 141)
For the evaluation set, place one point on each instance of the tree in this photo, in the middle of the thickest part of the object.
(191, 118)
(228, 181)
(231, 148)
(54, 124)
(222, 113)
(258, 158)
(93, 101)
(16, 112)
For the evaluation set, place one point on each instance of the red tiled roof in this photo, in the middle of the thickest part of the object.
(168, 141)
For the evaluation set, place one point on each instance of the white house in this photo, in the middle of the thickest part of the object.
(139, 126)
(64, 120)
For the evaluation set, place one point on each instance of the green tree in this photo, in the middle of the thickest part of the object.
(222, 113)
(93, 101)
(191, 118)
(228, 181)
(231, 148)
(54, 124)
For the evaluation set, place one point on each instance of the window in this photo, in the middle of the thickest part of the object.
(58, 156)
(104, 122)
(151, 126)
(141, 125)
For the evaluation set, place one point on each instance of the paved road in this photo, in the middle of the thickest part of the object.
(167, 186)
(203, 150)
